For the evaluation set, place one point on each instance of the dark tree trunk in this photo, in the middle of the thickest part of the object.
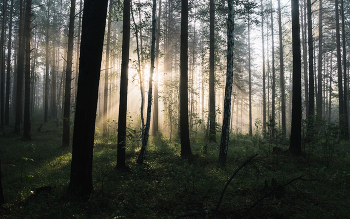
(67, 90)
(228, 89)
(8, 76)
(250, 79)
(310, 124)
(2, 66)
(105, 95)
(184, 129)
(145, 133)
(123, 86)
(345, 133)
(283, 100)
(264, 76)
(20, 68)
(2, 199)
(295, 138)
(93, 28)
(320, 53)
(340, 78)
(212, 114)
(273, 113)
(46, 91)
(27, 31)
(304, 44)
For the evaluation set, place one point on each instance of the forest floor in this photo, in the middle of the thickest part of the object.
(36, 175)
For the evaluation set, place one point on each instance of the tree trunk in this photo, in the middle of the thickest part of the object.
(46, 92)
(2, 66)
(264, 76)
(93, 28)
(105, 95)
(123, 86)
(145, 133)
(67, 90)
(228, 89)
(27, 31)
(184, 129)
(295, 137)
(8, 76)
(340, 78)
(212, 114)
(320, 53)
(310, 119)
(273, 113)
(304, 43)
(250, 79)
(283, 95)
(345, 134)
(20, 68)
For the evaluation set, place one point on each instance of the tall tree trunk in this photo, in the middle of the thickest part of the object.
(105, 95)
(67, 90)
(155, 110)
(53, 86)
(295, 137)
(145, 133)
(212, 114)
(310, 124)
(283, 95)
(93, 29)
(228, 87)
(264, 76)
(20, 68)
(250, 80)
(345, 134)
(184, 129)
(273, 113)
(46, 92)
(78, 48)
(8, 76)
(320, 53)
(123, 86)
(27, 31)
(2, 66)
(304, 44)
(340, 78)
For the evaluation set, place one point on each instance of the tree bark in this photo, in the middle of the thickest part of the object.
(67, 90)
(8, 76)
(228, 88)
(320, 54)
(184, 129)
(295, 137)
(283, 95)
(310, 121)
(105, 95)
(273, 113)
(93, 28)
(345, 134)
(250, 79)
(26, 121)
(264, 73)
(212, 114)
(2, 66)
(123, 86)
(20, 68)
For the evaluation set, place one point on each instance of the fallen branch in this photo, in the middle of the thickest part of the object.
(273, 190)
(228, 182)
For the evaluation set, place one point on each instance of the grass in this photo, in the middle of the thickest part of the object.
(166, 186)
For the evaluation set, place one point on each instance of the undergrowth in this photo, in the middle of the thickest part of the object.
(36, 175)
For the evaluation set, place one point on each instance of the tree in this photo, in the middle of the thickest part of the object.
(310, 124)
(20, 67)
(295, 137)
(145, 133)
(27, 124)
(272, 119)
(8, 75)
(283, 101)
(105, 94)
(67, 90)
(212, 131)
(228, 88)
(2, 65)
(345, 133)
(47, 63)
(123, 86)
(93, 28)
(184, 129)
(264, 73)
(320, 53)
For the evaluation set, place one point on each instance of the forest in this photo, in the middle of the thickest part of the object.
(174, 109)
